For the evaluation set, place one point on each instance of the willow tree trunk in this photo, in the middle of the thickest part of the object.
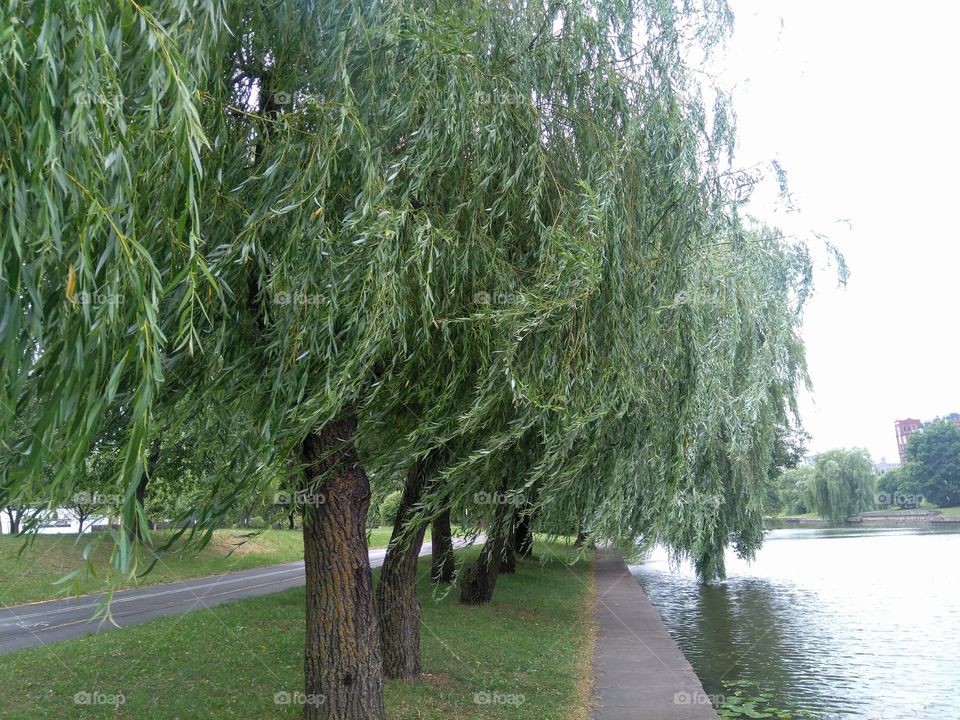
(14, 515)
(480, 579)
(522, 535)
(397, 604)
(135, 531)
(581, 539)
(441, 541)
(508, 561)
(343, 664)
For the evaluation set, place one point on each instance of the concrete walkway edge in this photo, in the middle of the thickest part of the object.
(639, 671)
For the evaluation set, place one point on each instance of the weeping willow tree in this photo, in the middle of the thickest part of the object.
(489, 247)
(844, 483)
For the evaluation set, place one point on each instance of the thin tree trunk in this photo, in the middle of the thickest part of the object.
(522, 536)
(581, 539)
(397, 604)
(15, 516)
(343, 665)
(508, 562)
(479, 580)
(441, 542)
(135, 530)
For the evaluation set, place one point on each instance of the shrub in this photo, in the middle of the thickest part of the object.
(389, 508)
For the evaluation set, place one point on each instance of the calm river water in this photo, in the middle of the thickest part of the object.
(842, 622)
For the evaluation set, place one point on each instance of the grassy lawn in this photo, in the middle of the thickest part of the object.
(30, 577)
(949, 511)
(528, 653)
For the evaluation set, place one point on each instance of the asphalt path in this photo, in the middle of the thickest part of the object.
(41, 623)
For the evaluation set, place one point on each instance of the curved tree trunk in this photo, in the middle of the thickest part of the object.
(343, 665)
(397, 604)
(441, 541)
(479, 580)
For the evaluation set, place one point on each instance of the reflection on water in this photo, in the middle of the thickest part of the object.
(846, 623)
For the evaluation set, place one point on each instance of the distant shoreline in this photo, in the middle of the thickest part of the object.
(878, 518)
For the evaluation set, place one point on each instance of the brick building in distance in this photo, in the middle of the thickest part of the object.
(905, 428)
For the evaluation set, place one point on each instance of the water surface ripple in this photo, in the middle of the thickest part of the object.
(843, 622)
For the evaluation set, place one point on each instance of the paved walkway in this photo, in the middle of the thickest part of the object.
(639, 672)
(23, 626)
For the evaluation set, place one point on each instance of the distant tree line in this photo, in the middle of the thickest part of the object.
(843, 482)
(837, 484)
(931, 471)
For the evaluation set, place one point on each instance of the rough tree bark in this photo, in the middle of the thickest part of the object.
(397, 604)
(343, 662)
(441, 541)
(479, 580)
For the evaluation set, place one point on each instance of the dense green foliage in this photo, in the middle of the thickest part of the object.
(896, 490)
(843, 484)
(795, 488)
(388, 508)
(790, 445)
(508, 229)
(933, 464)
(504, 240)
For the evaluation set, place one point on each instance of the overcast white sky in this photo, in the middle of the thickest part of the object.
(859, 102)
